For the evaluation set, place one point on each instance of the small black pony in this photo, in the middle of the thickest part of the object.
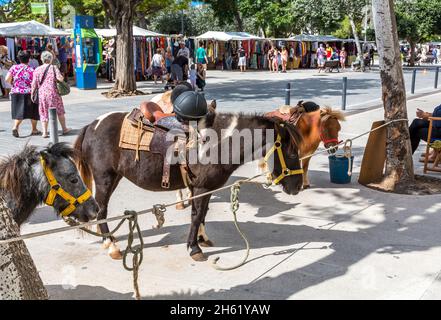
(24, 182)
(106, 163)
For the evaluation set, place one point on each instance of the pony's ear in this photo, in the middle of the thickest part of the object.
(46, 157)
(213, 104)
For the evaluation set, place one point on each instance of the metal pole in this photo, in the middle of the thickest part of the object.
(53, 125)
(436, 77)
(412, 90)
(51, 13)
(288, 94)
(182, 22)
(343, 94)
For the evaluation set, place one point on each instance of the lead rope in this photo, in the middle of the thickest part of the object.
(138, 252)
(132, 218)
(234, 198)
(348, 154)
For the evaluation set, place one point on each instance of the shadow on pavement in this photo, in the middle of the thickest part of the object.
(82, 292)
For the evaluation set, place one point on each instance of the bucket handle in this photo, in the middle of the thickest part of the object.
(347, 148)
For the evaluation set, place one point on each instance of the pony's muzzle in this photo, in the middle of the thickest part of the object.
(332, 149)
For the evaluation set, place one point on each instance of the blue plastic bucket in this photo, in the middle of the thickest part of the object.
(338, 169)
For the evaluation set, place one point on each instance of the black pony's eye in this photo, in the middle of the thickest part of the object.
(74, 180)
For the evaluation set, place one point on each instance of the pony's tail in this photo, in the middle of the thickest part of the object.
(83, 167)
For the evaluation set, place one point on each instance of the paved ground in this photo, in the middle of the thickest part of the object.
(327, 242)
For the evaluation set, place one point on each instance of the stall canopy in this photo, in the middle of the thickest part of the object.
(29, 29)
(318, 38)
(227, 36)
(137, 32)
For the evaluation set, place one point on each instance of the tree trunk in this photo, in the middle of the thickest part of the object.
(123, 12)
(412, 53)
(399, 165)
(239, 21)
(19, 279)
(357, 41)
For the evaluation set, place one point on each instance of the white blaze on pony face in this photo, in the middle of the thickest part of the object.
(226, 133)
(102, 117)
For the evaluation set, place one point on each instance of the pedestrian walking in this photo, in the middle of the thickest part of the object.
(157, 65)
(343, 56)
(22, 107)
(271, 53)
(242, 59)
(329, 52)
(168, 61)
(193, 75)
(201, 55)
(200, 77)
(45, 81)
(321, 54)
(284, 56)
(275, 61)
(62, 57)
(5, 65)
(179, 66)
(183, 51)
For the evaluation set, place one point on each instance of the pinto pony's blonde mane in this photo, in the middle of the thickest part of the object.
(333, 113)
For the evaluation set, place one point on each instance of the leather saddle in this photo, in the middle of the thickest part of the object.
(293, 114)
(169, 139)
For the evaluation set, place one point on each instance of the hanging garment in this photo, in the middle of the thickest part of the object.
(10, 43)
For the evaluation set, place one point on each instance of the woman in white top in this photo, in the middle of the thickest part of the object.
(157, 65)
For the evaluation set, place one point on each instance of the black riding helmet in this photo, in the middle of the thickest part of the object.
(180, 88)
(190, 105)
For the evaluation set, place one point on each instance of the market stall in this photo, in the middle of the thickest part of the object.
(222, 49)
(28, 35)
(144, 46)
(306, 46)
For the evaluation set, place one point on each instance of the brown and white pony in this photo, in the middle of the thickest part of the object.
(105, 163)
(315, 127)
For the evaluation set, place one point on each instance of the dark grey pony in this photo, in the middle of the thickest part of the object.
(107, 163)
(24, 185)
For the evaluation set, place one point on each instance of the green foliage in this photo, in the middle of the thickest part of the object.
(418, 20)
(345, 30)
(196, 22)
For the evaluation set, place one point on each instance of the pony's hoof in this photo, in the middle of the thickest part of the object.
(206, 243)
(116, 255)
(180, 206)
(307, 186)
(199, 257)
(106, 244)
(114, 252)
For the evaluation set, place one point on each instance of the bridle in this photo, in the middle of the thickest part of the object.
(325, 140)
(57, 190)
(286, 172)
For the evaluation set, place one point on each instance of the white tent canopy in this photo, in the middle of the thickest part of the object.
(318, 38)
(28, 29)
(137, 32)
(227, 36)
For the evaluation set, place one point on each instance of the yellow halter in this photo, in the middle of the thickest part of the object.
(56, 189)
(285, 171)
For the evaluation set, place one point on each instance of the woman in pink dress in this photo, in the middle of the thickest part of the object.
(45, 81)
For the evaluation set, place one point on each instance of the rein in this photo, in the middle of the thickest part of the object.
(285, 170)
(57, 190)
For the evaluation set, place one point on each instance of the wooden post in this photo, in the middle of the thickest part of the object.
(19, 279)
